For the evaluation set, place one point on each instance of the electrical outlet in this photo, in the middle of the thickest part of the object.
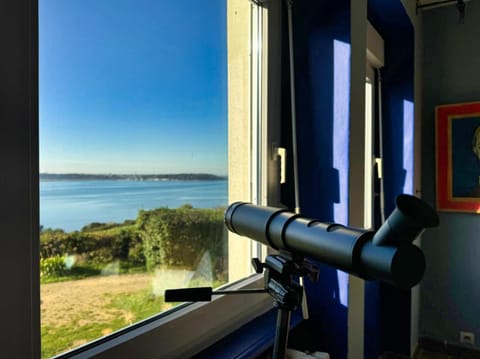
(467, 338)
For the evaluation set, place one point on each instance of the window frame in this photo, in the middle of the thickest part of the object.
(159, 336)
(154, 337)
(367, 50)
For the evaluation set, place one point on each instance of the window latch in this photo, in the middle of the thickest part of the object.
(378, 162)
(282, 153)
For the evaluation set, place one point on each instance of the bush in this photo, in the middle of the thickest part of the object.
(97, 226)
(94, 246)
(180, 237)
(52, 243)
(171, 237)
(53, 267)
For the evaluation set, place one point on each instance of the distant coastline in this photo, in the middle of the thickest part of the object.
(130, 177)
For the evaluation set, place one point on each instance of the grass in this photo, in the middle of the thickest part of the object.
(140, 305)
(77, 272)
(85, 271)
(85, 326)
(132, 307)
(56, 340)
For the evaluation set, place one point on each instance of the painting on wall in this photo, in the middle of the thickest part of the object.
(458, 157)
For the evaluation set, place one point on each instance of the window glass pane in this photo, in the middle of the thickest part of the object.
(133, 160)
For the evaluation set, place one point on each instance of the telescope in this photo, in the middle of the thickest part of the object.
(387, 255)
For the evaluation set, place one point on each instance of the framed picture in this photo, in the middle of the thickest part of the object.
(458, 157)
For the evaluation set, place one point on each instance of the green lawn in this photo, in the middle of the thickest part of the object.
(133, 307)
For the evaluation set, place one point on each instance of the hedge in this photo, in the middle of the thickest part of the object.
(160, 237)
(180, 237)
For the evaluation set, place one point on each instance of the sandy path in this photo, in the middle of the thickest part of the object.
(66, 302)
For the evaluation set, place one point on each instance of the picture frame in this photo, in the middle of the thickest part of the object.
(457, 132)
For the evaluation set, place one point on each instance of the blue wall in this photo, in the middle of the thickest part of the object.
(387, 309)
(450, 291)
(322, 55)
(321, 31)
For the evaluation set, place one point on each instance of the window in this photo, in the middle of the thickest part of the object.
(133, 161)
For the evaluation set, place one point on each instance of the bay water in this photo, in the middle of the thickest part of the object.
(70, 204)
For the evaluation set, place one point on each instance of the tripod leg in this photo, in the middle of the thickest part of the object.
(281, 333)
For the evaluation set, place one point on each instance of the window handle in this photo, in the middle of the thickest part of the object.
(378, 162)
(282, 153)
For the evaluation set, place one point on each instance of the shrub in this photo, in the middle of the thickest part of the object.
(97, 226)
(180, 237)
(128, 247)
(51, 243)
(53, 267)
(94, 246)
(170, 237)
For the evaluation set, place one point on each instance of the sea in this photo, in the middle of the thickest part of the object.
(71, 204)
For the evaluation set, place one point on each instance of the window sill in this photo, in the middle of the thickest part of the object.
(183, 332)
(249, 341)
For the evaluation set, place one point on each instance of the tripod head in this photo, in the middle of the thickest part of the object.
(280, 272)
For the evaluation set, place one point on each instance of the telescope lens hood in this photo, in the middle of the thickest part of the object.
(251, 221)
(229, 214)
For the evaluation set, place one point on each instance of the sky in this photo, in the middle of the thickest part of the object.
(133, 86)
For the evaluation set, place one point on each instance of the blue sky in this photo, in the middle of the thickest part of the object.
(133, 86)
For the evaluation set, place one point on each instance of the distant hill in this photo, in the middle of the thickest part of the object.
(130, 177)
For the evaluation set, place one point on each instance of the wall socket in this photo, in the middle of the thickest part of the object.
(467, 338)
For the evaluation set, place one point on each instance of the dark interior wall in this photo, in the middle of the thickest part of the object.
(450, 290)
(19, 267)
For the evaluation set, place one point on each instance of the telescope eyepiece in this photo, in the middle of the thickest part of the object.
(407, 221)
(417, 210)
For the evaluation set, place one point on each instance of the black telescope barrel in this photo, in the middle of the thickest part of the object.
(353, 250)
(239, 220)
(328, 242)
(402, 266)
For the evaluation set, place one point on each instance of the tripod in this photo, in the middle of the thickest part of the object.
(280, 271)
